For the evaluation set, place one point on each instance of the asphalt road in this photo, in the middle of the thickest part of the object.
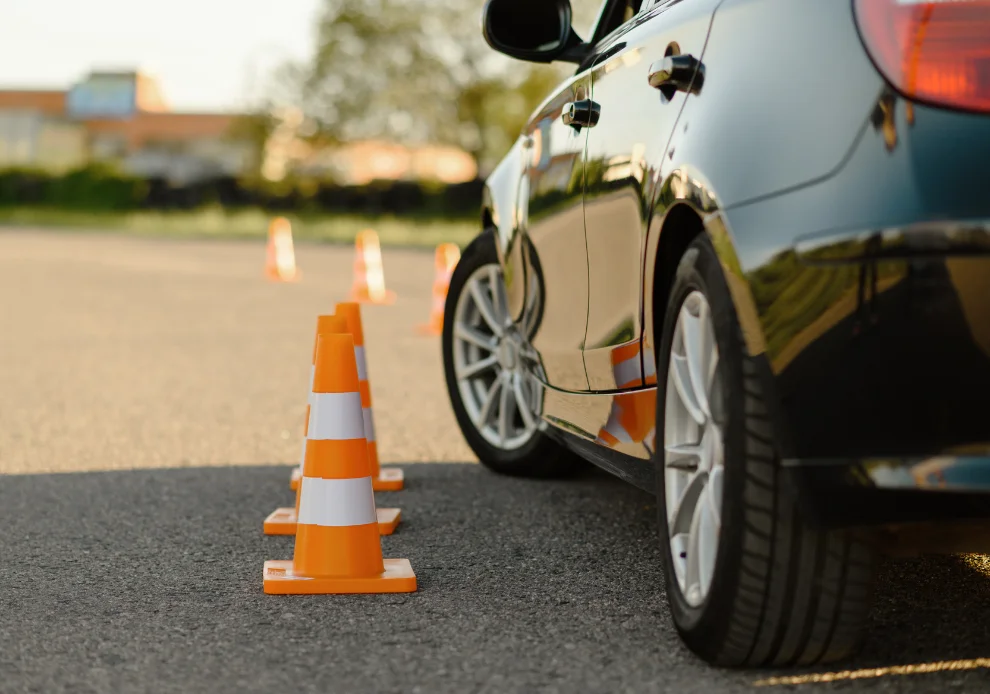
(176, 357)
(118, 352)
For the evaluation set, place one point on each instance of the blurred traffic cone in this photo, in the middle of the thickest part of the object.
(337, 549)
(445, 260)
(389, 479)
(282, 521)
(280, 260)
(369, 275)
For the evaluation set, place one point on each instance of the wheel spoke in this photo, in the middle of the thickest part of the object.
(485, 411)
(527, 352)
(713, 496)
(472, 336)
(483, 301)
(696, 354)
(504, 416)
(692, 575)
(522, 403)
(477, 367)
(685, 506)
(682, 383)
(684, 456)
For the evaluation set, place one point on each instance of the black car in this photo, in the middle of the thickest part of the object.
(741, 259)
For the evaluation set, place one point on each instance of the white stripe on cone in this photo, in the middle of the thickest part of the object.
(369, 425)
(361, 363)
(336, 417)
(335, 503)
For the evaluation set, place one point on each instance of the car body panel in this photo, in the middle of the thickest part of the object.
(635, 125)
(549, 214)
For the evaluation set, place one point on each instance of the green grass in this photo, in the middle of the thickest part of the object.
(251, 223)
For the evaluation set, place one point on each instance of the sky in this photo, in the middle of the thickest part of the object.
(202, 52)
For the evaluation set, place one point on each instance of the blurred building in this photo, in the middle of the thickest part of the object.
(122, 117)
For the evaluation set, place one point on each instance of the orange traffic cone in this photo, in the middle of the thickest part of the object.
(389, 479)
(282, 521)
(369, 275)
(337, 549)
(445, 260)
(280, 261)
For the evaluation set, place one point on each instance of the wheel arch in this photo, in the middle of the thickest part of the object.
(686, 207)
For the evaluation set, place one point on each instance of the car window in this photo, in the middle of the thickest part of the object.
(584, 16)
(614, 14)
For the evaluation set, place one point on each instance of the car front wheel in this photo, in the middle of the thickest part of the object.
(489, 367)
(749, 583)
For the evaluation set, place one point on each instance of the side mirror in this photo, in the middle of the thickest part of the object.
(537, 31)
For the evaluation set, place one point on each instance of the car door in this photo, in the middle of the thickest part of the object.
(635, 122)
(551, 216)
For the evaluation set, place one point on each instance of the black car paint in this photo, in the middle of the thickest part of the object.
(854, 232)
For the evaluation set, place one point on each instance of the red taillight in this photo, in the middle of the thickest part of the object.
(937, 52)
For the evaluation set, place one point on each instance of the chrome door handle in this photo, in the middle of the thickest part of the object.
(677, 73)
(581, 114)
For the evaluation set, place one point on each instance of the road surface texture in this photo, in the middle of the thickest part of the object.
(175, 357)
(122, 352)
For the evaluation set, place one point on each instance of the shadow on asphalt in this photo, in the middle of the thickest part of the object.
(151, 581)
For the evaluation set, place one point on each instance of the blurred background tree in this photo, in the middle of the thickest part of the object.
(418, 71)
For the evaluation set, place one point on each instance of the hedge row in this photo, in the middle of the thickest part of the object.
(100, 189)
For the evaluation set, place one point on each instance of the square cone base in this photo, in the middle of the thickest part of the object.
(294, 479)
(398, 577)
(390, 479)
(282, 521)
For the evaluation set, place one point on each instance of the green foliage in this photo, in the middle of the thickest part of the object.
(418, 71)
(93, 187)
(97, 188)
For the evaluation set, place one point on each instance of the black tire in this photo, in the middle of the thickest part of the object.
(541, 456)
(782, 593)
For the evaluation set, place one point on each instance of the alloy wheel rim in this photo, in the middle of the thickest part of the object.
(694, 457)
(494, 363)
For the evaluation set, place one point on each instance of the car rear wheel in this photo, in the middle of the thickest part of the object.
(489, 367)
(749, 583)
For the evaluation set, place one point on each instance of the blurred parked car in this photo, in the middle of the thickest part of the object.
(741, 259)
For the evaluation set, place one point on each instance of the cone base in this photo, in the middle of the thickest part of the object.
(282, 521)
(294, 479)
(390, 479)
(363, 297)
(398, 577)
